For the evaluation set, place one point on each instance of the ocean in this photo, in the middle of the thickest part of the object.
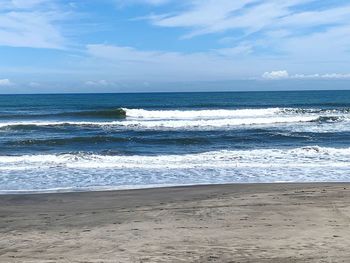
(82, 142)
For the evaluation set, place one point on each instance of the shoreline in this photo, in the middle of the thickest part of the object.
(149, 187)
(264, 222)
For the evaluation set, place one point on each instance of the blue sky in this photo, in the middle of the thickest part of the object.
(155, 45)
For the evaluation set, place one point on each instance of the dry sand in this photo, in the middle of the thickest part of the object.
(218, 223)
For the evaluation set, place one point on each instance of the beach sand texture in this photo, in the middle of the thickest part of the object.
(217, 223)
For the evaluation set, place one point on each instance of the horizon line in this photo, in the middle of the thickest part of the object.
(162, 92)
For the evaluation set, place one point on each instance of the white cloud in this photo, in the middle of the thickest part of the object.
(147, 2)
(336, 15)
(132, 55)
(101, 82)
(273, 28)
(5, 82)
(248, 37)
(283, 74)
(29, 29)
(201, 15)
(234, 51)
(211, 16)
(130, 63)
(111, 52)
(322, 76)
(34, 84)
(279, 74)
(331, 44)
(27, 3)
(155, 2)
(281, 27)
(30, 23)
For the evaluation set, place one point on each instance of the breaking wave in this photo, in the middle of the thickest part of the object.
(199, 114)
(92, 171)
(177, 123)
(185, 119)
(310, 155)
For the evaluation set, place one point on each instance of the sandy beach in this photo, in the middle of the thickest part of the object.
(217, 223)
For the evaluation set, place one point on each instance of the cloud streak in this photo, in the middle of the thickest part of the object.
(283, 74)
(250, 16)
(291, 32)
(101, 82)
(194, 40)
(31, 24)
(5, 83)
(131, 63)
(123, 3)
(278, 74)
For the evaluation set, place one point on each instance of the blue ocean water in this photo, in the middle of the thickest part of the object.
(113, 141)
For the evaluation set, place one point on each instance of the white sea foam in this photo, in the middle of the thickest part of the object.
(216, 123)
(230, 113)
(305, 156)
(175, 124)
(203, 119)
(200, 114)
(90, 171)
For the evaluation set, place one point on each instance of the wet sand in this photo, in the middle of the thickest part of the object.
(218, 223)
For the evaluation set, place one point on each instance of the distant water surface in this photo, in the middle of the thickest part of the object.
(115, 141)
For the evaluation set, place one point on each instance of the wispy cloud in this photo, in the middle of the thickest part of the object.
(322, 76)
(122, 3)
(34, 84)
(23, 4)
(217, 64)
(283, 74)
(250, 16)
(194, 40)
(128, 62)
(278, 74)
(289, 32)
(204, 17)
(101, 82)
(30, 23)
(5, 82)
(243, 49)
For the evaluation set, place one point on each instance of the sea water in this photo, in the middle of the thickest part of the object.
(77, 142)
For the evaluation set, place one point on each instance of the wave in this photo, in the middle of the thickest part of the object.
(111, 113)
(325, 119)
(65, 141)
(303, 156)
(314, 111)
(216, 123)
(117, 113)
(122, 113)
(225, 113)
(189, 119)
(199, 114)
(84, 171)
(171, 124)
(106, 139)
(151, 114)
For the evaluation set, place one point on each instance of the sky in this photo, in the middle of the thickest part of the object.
(53, 46)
